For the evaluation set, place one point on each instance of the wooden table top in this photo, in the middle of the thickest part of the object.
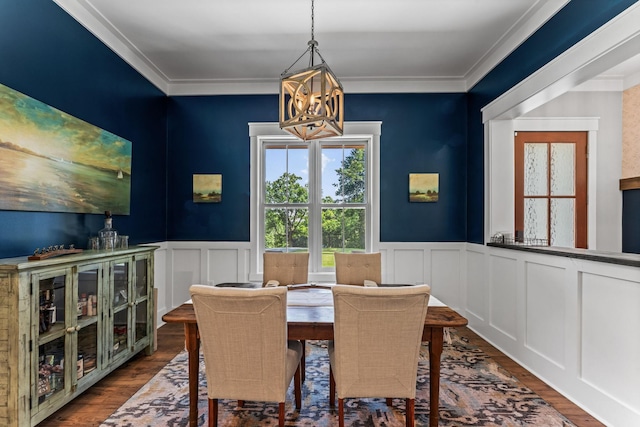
(437, 316)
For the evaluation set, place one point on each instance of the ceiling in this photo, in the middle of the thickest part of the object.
(209, 47)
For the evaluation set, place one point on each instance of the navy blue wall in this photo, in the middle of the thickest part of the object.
(46, 54)
(630, 221)
(575, 21)
(420, 133)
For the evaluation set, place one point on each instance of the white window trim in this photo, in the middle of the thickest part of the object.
(259, 132)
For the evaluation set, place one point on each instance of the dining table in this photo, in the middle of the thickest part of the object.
(310, 317)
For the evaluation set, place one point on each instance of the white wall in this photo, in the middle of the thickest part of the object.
(571, 322)
(178, 265)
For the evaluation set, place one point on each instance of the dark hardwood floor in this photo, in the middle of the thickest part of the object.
(98, 403)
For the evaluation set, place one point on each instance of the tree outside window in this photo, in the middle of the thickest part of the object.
(340, 204)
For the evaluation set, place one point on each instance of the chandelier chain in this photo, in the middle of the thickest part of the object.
(312, 21)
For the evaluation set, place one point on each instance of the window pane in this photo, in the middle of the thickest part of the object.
(286, 174)
(331, 162)
(286, 229)
(562, 169)
(343, 173)
(535, 169)
(563, 222)
(535, 219)
(343, 230)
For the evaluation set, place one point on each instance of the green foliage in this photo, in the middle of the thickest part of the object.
(342, 227)
(351, 177)
(286, 227)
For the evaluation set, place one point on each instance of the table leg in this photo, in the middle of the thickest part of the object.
(193, 349)
(435, 352)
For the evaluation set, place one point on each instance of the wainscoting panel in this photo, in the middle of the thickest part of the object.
(545, 310)
(503, 294)
(438, 264)
(610, 330)
(186, 271)
(222, 264)
(409, 265)
(477, 288)
(446, 270)
(160, 280)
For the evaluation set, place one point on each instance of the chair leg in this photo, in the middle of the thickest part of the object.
(213, 412)
(240, 403)
(303, 360)
(389, 401)
(281, 414)
(340, 412)
(410, 415)
(297, 386)
(332, 389)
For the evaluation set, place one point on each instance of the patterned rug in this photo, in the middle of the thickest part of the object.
(474, 391)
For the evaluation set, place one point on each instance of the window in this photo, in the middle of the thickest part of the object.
(318, 196)
(551, 188)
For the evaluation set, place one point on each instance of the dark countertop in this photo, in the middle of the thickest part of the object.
(619, 258)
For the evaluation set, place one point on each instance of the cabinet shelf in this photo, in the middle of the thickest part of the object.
(56, 331)
(73, 320)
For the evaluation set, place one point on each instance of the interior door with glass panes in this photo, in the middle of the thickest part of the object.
(551, 188)
(53, 328)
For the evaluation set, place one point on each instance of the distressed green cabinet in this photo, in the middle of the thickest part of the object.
(68, 321)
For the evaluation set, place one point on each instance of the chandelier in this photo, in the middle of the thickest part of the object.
(312, 99)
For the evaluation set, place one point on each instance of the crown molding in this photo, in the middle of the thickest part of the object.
(520, 32)
(90, 18)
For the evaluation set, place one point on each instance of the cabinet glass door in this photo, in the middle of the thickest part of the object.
(141, 299)
(89, 320)
(52, 334)
(120, 306)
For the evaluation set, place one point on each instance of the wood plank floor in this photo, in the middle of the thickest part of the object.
(98, 403)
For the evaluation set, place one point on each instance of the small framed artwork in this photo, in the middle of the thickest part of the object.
(207, 188)
(423, 187)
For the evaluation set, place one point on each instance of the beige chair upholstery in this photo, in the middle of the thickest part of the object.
(244, 342)
(377, 338)
(354, 269)
(285, 268)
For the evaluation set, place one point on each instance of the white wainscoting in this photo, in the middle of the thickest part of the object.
(178, 265)
(573, 323)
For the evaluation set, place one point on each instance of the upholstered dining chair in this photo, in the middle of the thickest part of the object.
(358, 268)
(244, 341)
(285, 268)
(377, 338)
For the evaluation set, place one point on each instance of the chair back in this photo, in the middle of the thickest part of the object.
(354, 269)
(244, 341)
(288, 268)
(377, 338)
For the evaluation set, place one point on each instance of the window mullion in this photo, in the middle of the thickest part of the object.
(315, 196)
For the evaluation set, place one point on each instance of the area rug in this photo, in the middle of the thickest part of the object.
(474, 391)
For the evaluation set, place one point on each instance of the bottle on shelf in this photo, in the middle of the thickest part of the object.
(108, 235)
(82, 305)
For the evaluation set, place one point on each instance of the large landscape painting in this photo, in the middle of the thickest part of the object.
(51, 161)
